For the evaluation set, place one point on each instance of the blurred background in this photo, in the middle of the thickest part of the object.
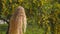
(43, 16)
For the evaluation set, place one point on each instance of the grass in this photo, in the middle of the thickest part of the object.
(31, 29)
(3, 28)
(34, 30)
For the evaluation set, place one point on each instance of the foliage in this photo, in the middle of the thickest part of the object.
(43, 13)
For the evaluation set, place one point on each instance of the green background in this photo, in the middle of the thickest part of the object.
(43, 16)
